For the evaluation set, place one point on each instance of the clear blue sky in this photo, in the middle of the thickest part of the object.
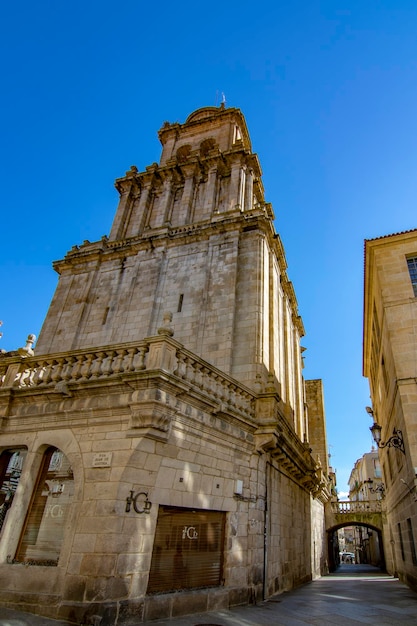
(328, 90)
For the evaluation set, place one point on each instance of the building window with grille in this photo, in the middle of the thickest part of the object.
(43, 530)
(412, 268)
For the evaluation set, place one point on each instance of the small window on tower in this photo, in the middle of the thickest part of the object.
(237, 134)
(412, 268)
(180, 301)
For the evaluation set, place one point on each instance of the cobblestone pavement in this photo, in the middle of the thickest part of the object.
(354, 595)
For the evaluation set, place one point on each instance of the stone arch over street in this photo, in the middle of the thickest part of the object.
(362, 514)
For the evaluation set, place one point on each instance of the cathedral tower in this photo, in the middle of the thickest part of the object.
(193, 237)
(160, 452)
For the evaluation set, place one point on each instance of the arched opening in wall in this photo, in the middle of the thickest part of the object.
(43, 531)
(11, 465)
(356, 543)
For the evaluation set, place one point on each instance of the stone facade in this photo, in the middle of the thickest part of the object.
(390, 364)
(162, 453)
(365, 485)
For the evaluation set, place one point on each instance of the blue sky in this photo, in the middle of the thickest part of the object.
(328, 90)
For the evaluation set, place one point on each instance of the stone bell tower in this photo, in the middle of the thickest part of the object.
(165, 395)
(192, 236)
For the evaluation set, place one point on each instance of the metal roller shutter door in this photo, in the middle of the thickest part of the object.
(188, 549)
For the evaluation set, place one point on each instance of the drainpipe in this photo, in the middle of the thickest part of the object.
(266, 512)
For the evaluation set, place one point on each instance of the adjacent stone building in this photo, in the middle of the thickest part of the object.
(161, 453)
(390, 364)
(365, 485)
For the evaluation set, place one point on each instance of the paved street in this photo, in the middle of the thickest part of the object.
(356, 594)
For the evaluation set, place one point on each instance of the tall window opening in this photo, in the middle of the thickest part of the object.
(400, 536)
(180, 301)
(43, 530)
(412, 268)
(411, 540)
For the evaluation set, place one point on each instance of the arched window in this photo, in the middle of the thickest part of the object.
(43, 530)
(183, 153)
(207, 145)
(11, 464)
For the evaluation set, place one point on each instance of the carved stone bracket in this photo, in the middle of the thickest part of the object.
(266, 440)
(151, 419)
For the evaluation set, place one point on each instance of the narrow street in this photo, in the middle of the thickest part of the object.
(355, 594)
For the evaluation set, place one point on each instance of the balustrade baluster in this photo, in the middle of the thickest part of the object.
(181, 366)
(118, 362)
(56, 375)
(108, 363)
(216, 386)
(131, 352)
(142, 352)
(96, 367)
(48, 371)
(225, 392)
(198, 375)
(205, 379)
(76, 370)
(66, 372)
(85, 369)
(186, 366)
(39, 373)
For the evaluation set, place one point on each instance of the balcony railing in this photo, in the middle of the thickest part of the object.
(356, 506)
(64, 370)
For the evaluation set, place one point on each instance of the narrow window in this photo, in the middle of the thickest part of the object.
(411, 539)
(384, 374)
(401, 540)
(412, 268)
(180, 301)
(237, 135)
(106, 312)
(43, 531)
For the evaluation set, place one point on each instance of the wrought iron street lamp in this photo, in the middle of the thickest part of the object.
(395, 441)
(380, 488)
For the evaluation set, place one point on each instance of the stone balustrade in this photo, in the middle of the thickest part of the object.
(78, 366)
(356, 506)
(226, 391)
(64, 370)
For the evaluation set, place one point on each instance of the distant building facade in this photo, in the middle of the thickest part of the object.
(390, 364)
(161, 453)
(365, 480)
(366, 485)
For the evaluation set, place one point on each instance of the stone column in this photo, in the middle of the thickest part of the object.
(234, 190)
(242, 188)
(187, 195)
(125, 186)
(139, 214)
(248, 190)
(210, 195)
(166, 199)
